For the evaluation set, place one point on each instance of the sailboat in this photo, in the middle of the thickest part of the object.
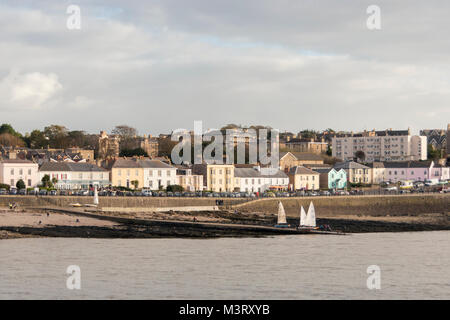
(302, 217)
(308, 220)
(95, 196)
(281, 222)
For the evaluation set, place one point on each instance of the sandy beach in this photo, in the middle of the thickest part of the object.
(23, 218)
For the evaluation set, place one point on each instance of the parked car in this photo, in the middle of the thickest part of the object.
(22, 192)
(418, 184)
(42, 192)
(52, 193)
(391, 188)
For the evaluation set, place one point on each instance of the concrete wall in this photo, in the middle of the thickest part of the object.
(355, 205)
(123, 202)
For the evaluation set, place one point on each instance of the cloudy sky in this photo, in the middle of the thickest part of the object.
(159, 65)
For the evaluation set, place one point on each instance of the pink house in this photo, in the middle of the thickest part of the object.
(414, 170)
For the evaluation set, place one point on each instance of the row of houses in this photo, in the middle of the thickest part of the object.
(143, 173)
(156, 174)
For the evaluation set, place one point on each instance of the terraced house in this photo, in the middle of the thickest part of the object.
(216, 177)
(257, 179)
(142, 173)
(356, 172)
(75, 175)
(415, 171)
(13, 170)
(301, 178)
(331, 178)
(126, 172)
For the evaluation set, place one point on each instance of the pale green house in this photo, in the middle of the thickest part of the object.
(331, 178)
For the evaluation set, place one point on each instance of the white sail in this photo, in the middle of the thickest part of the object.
(95, 196)
(311, 216)
(302, 217)
(281, 214)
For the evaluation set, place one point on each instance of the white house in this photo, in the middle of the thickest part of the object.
(13, 170)
(258, 179)
(158, 174)
(75, 175)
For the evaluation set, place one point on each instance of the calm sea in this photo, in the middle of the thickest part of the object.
(412, 266)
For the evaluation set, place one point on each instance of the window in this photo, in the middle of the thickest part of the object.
(128, 172)
(150, 173)
(21, 171)
(80, 175)
(136, 173)
(12, 171)
(29, 182)
(168, 173)
(29, 171)
(159, 173)
(119, 172)
(12, 182)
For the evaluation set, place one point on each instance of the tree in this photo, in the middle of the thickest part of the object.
(174, 188)
(7, 128)
(360, 155)
(46, 183)
(57, 136)
(77, 138)
(9, 140)
(433, 154)
(127, 136)
(133, 152)
(20, 184)
(37, 140)
(329, 151)
(125, 131)
(135, 183)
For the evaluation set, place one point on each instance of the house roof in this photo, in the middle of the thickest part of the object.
(125, 163)
(302, 155)
(254, 173)
(408, 164)
(349, 165)
(301, 170)
(376, 165)
(16, 161)
(70, 166)
(154, 164)
(324, 170)
(140, 163)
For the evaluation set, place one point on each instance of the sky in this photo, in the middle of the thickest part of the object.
(159, 65)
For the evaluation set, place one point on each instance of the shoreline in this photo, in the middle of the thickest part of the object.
(71, 223)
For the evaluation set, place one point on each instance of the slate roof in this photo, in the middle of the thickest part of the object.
(70, 166)
(253, 173)
(302, 155)
(349, 165)
(140, 163)
(301, 170)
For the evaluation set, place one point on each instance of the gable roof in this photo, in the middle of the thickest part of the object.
(301, 170)
(350, 165)
(302, 155)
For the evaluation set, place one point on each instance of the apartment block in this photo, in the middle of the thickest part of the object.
(388, 145)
